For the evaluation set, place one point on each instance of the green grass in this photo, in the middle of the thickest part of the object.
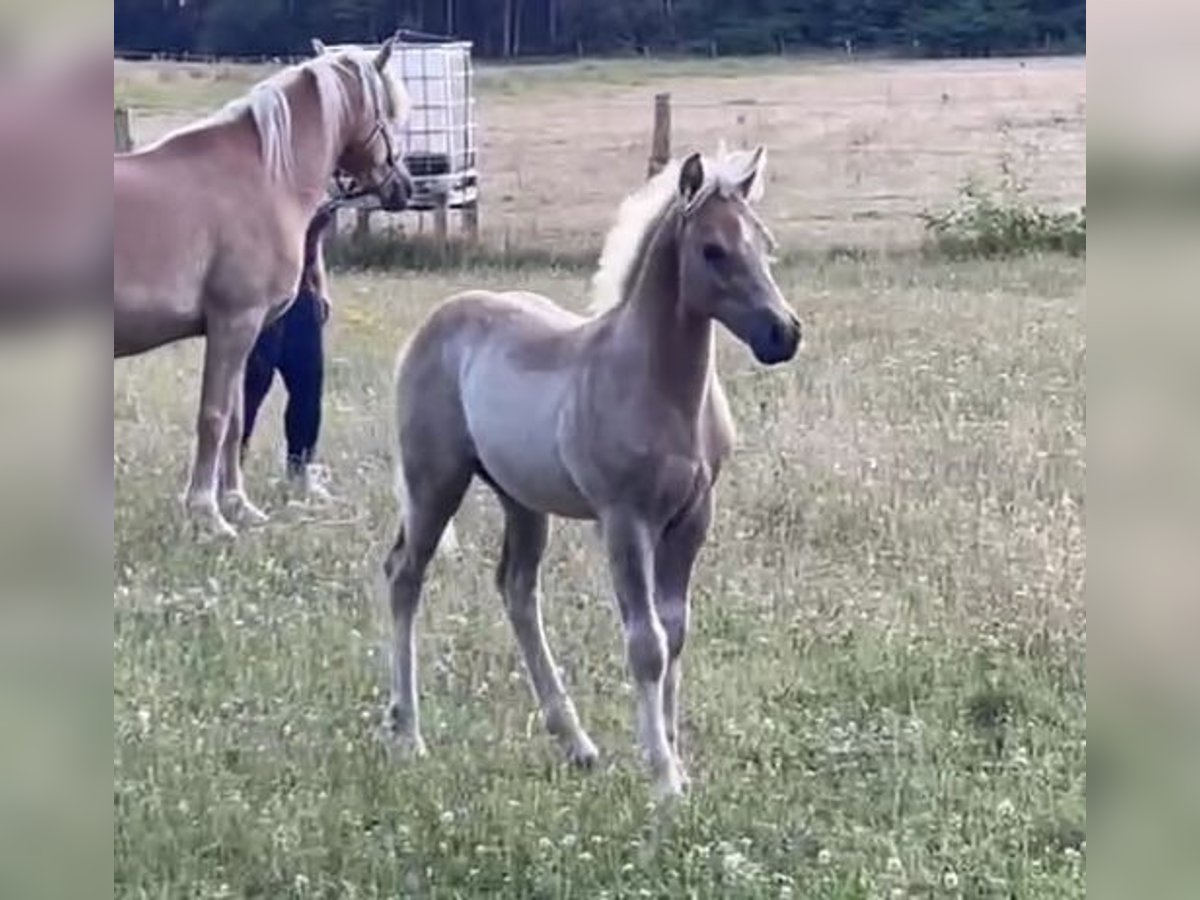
(884, 686)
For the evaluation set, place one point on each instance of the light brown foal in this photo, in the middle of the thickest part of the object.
(617, 417)
(209, 232)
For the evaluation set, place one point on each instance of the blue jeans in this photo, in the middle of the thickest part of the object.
(292, 345)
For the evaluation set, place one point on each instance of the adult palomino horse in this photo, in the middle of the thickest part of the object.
(209, 231)
(617, 417)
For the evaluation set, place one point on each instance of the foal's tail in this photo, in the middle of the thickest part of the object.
(448, 543)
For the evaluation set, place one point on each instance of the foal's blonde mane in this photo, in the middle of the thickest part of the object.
(641, 213)
(381, 96)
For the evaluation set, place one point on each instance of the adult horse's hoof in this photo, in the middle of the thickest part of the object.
(207, 520)
(239, 508)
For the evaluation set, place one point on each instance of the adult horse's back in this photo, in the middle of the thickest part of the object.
(209, 227)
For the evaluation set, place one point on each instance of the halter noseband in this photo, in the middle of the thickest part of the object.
(346, 183)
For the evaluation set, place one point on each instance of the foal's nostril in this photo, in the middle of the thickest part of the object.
(778, 335)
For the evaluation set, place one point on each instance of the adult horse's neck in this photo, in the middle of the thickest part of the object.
(675, 345)
(316, 144)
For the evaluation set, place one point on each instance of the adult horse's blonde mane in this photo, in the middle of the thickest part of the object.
(642, 211)
(381, 95)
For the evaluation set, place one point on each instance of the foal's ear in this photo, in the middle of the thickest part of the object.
(691, 177)
(385, 53)
(751, 185)
(318, 46)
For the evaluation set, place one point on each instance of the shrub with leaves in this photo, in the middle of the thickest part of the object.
(1002, 223)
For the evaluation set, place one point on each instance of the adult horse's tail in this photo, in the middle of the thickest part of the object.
(448, 543)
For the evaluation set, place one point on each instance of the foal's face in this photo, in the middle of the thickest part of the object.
(724, 271)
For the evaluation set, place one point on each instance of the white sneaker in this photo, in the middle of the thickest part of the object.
(309, 483)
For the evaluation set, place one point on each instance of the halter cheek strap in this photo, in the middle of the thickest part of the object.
(346, 183)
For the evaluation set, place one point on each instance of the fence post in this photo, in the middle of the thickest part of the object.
(470, 221)
(121, 135)
(362, 224)
(660, 142)
(441, 223)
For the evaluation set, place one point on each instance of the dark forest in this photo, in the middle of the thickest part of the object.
(555, 28)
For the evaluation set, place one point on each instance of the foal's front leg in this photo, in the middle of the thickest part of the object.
(631, 559)
(674, 560)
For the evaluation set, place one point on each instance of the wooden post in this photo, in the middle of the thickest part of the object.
(122, 138)
(441, 223)
(362, 223)
(660, 142)
(470, 221)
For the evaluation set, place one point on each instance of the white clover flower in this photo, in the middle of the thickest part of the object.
(1005, 808)
(824, 858)
(950, 880)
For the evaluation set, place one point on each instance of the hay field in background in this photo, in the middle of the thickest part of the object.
(884, 689)
(857, 150)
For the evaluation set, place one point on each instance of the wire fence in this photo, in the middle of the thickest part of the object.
(856, 153)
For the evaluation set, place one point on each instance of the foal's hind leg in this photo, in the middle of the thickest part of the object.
(525, 534)
(674, 560)
(431, 502)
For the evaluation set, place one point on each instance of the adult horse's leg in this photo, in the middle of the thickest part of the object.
(674, 559)
(226, 346)
(432, 498)
(233, 491)
(525, 536)
(631, 559)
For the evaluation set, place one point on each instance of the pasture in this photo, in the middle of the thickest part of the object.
(884, 683)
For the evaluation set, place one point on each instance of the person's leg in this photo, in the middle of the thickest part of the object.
(260, 372)
(302, 367)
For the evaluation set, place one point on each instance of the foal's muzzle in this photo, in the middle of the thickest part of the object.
(775, 339)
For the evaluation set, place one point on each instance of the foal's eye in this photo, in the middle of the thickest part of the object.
(713, 253)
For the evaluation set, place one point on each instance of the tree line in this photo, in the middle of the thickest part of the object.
(513, 28)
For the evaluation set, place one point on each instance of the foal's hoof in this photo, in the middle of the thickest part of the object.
(582, 753)
(670, 787)
(403, 748)
(671, 783)
(241, 510)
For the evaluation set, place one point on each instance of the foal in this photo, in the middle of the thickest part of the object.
(618, 417)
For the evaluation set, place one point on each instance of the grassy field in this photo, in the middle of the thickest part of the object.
(884, 686)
